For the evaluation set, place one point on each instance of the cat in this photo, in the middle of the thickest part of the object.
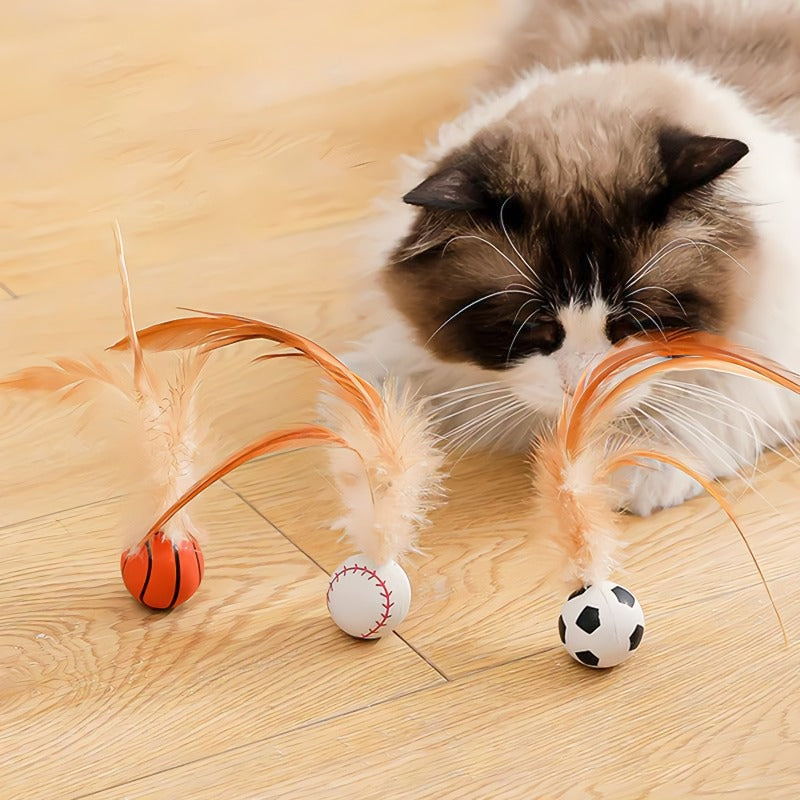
(625, 167)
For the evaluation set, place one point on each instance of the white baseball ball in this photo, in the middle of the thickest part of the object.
(368, 601)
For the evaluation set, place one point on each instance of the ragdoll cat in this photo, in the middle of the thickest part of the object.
(629, 166)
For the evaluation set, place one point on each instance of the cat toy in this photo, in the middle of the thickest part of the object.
(168, 434)
(384, 463)
(382, 454)
(601, 623)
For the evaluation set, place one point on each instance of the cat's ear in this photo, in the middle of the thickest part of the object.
(692, 161)
(451, 189)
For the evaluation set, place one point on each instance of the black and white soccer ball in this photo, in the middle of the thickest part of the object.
(601, 625)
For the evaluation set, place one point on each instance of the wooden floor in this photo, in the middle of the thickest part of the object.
(240, 144)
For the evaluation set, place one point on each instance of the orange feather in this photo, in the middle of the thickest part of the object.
(212, 331)
(574, 463)
(273, 442)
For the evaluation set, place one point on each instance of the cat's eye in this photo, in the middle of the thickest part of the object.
(545, 335)
(535, 336)
(498, 337)
(619, 328)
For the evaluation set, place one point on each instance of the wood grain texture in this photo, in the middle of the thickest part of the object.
(664, 726)
(102, 689)
(487, 569)
(240, 145)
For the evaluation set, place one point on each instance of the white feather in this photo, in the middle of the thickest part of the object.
(389, 489)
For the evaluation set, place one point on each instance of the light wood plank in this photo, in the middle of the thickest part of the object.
(484, 592)
(710, 707)
(96, 689)
(240, 145)
(253, 121)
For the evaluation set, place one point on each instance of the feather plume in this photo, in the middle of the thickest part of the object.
(274, 442)
(390, 486)
(573, 464)
(212, 331)
(68, 376)
(159, 458)
(389, 495)
(143, 380)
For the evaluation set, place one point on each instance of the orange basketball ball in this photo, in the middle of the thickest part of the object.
(162, 575)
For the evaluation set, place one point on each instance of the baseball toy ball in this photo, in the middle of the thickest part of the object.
(161, 575)
(601, 625)
(368, 601)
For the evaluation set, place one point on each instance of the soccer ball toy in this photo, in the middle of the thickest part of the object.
(601, 625)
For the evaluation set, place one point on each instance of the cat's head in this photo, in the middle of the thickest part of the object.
(561, 228)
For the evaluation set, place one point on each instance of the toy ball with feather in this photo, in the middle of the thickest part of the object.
(165, 568)
(601, 623)
(383, 459)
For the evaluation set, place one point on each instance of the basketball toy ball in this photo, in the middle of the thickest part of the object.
(601, 625)
(162, 575)
(368, 601)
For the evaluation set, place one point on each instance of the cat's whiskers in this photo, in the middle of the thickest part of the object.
(715, 399)
(463, 389)
(737, 462)
(519, 310)
(508, 239)
(496, 393)
(470, 305)
(511, 419)
(466, 430)
(669, 249)
(654, 288)
(654, 260)
(692, 430)
(464, 236)
(727, 255)
(519, 331)
(534, 293)
(650, 313)
(468, 410)
(477, 420)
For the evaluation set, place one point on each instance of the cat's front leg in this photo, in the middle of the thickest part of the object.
(652, 487)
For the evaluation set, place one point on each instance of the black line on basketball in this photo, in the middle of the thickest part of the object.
(177, 574)
(149, 571)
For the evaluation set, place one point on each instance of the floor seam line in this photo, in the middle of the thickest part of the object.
(8, 291)
(314, 561)
(301, 727)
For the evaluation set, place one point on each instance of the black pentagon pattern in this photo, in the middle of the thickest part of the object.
(587, 657)
(589, 619)
(636, 637)
(578, 592)
(562, 630)
(624, 596)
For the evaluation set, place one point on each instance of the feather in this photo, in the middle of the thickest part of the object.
(573, 464)
(389, 495)
(67, 375)
(212, 331)
(157, 458)
(274, 442)
(389, 491)
(634, 456)
(142, 379)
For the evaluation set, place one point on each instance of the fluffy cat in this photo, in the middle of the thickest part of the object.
(627, 166)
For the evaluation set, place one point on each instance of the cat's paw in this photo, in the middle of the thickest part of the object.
(654, 486)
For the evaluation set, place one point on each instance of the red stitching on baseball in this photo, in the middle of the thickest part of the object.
(370, 574)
